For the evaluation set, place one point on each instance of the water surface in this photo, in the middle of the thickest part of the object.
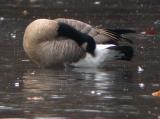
(121, 90)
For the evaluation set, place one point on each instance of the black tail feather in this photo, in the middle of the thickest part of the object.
(122, 31)
(128, 40)
(125, 52)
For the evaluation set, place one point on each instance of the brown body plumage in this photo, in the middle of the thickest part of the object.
(99, 35)
(45, 48)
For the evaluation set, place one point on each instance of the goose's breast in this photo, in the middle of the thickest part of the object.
(59, 51)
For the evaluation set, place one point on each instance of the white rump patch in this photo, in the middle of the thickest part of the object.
(102, 55)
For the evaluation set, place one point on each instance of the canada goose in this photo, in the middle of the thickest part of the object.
(71, 42)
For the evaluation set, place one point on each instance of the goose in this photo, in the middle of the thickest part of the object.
(69, 42)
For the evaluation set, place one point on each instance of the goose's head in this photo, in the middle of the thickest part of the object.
(91, 46)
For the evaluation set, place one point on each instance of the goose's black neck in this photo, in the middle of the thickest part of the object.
(68, 31)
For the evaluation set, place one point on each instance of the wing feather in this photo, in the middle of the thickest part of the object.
(101, 36)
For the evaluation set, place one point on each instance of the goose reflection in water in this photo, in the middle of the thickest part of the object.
(73, 91)
(46, 79)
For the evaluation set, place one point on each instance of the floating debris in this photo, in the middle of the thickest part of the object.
(141, 85)
(157, 22)
(93, 92)
(25, 60)
(13, 35)
(33, 73)
(35, 98)
(98, 93)
(97, 3)
(25, 12)
(58, 96)
(143, 32)
(157, 93)
(151, 31)
(16, 84)
(18, 78)
(140, 69)
(154, 29)
(1, 18)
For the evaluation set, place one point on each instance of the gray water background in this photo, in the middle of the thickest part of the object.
(118, 91)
